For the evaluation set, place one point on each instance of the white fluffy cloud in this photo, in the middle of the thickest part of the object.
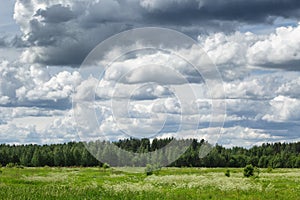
(10, 80)
(235, 52)
(155, 66)
(150, 91)
(26, 125)
(12, 134)
(247, 137)
(279, 49)
(290, 88)
(22, 85)
(58, 87)
(250, 103)
(284, 109)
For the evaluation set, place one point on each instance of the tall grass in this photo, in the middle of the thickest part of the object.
(169, 183)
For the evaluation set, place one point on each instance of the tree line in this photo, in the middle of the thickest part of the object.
(275, 155)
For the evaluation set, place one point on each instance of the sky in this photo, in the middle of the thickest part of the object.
(66, 76)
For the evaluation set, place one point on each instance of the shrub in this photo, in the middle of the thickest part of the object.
(270, 169)
(10, 165)
(151, 168)
(249, 171)
(227, 173)
(105, 166)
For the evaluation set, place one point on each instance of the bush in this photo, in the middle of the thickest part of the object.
(105, 166)
(152, 168)
(249, 171)
(149, 170)
(270, 169)
(227, 173)
(10, 165)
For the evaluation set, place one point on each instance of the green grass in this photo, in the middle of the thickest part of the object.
(169, 183)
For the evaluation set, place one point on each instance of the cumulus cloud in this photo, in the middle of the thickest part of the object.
(249, 106)
(12, 134)
(228, 137)
(33, 85)
(35, 125)
(161, 67)
(278, 50)
(233, 53)
(283, 109)
(150, 91)
(290, 87)
(154, 73)
(251, 115)
(58, 87)
(247, 137)
(9, 82)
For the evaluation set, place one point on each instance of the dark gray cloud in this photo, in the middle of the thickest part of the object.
(256, 11)
(18, 42)
(56, 14)
(7, 41)
(290, 65)
(3, 42)
(61, 104)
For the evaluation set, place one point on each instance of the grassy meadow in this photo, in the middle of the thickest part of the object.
(168, 183)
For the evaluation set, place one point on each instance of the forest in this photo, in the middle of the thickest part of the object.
(274, 155)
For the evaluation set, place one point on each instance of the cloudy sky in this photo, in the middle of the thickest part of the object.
(150, 92)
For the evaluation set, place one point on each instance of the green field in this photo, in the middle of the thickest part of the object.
(169, 183)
